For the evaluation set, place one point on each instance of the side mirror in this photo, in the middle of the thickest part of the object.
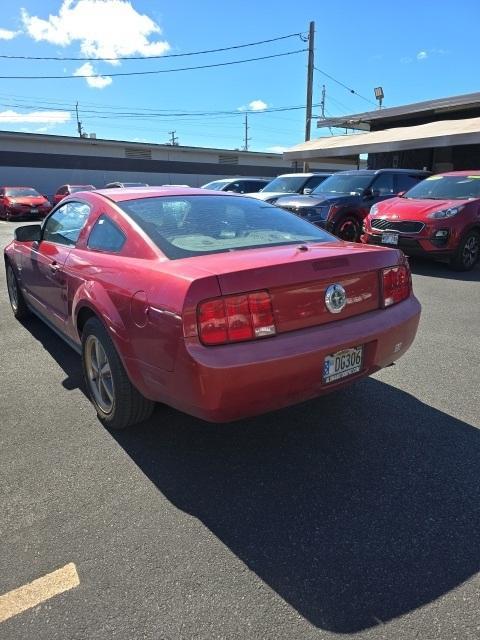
(307, 191)
(28, 233)
(368, 193)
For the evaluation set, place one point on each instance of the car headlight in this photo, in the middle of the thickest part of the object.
(374, 209)
(445, 213)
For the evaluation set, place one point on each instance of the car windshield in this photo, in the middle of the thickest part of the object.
(22, 192)
(82, 187)
(446, 188)
(216, 185)
(351, 184)
(285, 184)
(184, 226)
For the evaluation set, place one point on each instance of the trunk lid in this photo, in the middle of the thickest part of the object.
(298, 279)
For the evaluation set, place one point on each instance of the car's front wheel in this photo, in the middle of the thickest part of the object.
(117, 402)
(468, 252)
(17, 301)
(348, 228)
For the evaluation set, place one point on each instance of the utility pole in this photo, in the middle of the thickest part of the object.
(246, 138)
(308, 114)
(173, 138)
(81, 133)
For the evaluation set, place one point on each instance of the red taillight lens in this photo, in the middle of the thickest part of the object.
(236, 318)
(397, 284)
(212, 322)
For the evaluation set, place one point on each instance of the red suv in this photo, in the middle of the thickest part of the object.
(439, 217)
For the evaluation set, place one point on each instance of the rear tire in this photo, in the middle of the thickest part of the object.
(17, 301)
(348, 228)
(117, 402)
(468, 252)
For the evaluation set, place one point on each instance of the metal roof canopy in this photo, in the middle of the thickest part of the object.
(441, 105)
(444, 133)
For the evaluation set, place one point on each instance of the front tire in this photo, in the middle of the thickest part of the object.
(348, 228)
(17, 301)
(468, 252)
(117, 402)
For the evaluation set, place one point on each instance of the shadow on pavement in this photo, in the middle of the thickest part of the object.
(355, 508)
(425, 267)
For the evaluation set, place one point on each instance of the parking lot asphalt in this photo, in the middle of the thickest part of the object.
(355, 515)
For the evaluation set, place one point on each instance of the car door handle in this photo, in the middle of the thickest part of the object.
(54, 267)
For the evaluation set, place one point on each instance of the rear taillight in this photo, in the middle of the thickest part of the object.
(397, 284)
(236, 318)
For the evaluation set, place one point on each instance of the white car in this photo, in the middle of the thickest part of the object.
(289, 184)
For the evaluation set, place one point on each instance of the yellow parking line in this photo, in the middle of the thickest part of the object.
(37, 591)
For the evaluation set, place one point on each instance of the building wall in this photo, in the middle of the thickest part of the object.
(46, 162)
(437, 160)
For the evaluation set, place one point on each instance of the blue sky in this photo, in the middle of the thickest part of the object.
(415, 50)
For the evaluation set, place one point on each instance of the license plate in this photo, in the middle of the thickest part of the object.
(342, 364)
(390, 238)
(33, 210)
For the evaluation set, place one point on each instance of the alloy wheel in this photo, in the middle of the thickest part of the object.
(99, 375)
(12, 288)
(471, 250)
(348, 230)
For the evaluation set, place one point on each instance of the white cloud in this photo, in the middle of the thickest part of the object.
(97, 83)
(258, 105)
(406, 60)
(37, 117)
(422, 55)
(254, 105)
(6, 34)
(104, 28)
(277, 149)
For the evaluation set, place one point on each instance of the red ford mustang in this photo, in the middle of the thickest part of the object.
(220, 305)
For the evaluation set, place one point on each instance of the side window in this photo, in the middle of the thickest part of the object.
(64, 226)
(236, 187)
(406, 181)
(384, 184)
(105, 236)
(314, 181)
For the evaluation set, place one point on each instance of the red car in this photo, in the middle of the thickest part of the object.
(67, 190)
(217, 304)
(439, 217)
(18, 203)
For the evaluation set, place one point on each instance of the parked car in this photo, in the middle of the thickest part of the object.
(217, 304)
(237, 185)
(439, 217)
(341, 202)
(291, 183)
(123, 185)
(22, 202)
(67, 189)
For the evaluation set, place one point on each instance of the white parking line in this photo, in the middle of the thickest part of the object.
(37, 591)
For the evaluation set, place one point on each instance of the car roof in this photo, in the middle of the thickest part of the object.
(120, 194)
(473, 172)
(371, 172)
(16, 187)
(305, 175)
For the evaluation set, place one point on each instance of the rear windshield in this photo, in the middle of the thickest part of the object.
(446, 188)
(21, 192)
(184, 226)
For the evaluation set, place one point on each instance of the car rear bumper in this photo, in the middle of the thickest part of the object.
(229, 382)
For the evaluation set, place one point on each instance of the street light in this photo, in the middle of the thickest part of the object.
(379, 95)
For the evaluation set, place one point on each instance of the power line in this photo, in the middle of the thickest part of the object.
(156, 71)
(168, 55)
(349, 89)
